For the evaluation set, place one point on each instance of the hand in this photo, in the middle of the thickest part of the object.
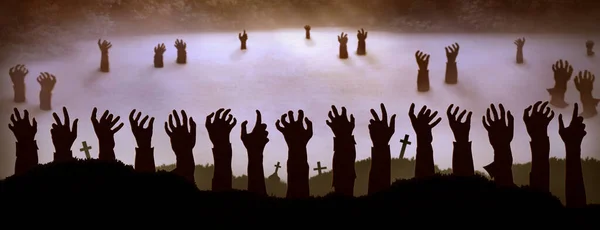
(104, 128)
(589, 44)
(520, 43)
(343, 38)
(220, 129)
(143, 136)
(422, 60)
(21, 128)
(499, 132)
(452, 52)
(362, 35)
(243, 36)
(574, 134)
(62, 134)
(379, 130)
(339, 124)
(562, 71)
(460, 129)
(160, 49)
(182, 138)
(307, 27)
(585, 82)
(294, 133)
(17, 74)
(537, 121)
(180, 45)
(47, 81)
(422, 123)
(257, 139)
(104, 45)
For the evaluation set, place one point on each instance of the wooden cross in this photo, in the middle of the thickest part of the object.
(404, 142)
(86, 149)
(319, 168)
(277, 166)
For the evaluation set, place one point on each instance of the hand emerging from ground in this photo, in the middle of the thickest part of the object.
(219, 129)
(256, 140)
(537, 120)
(105, 129)
(182, 137)
(379, 130)
(293, 131)
(573, 134)
(23, 130)
(340, 125)
(422, 123)
(63, 136)
(459, 128)
(143, 136)
(501, 128)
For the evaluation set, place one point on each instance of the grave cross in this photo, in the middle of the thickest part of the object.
(404, 142)
(319, 168)
(277, 166)
(86, 149)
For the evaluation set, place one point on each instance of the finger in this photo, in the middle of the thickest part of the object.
(177, 120)
(434, 114)
(67, 119)
(547, 112)
(105, 115)
(335, 111)
(143, 122)
(330, 115)
(494, 112)
(118, 128)
(26, 115)
(411, 112)
(502, 112)
(218, 114)
(449, 111)
(233, 123)
(131, 119)
(561, 124)
(94, 111)
(328, 123)
(575, 111)
(244, 128)
(309, 126)
(283, 119)
(485, 125)
(488, 116)
(300, 115)
(278, 126)
(352, 118)
(393, 123)
(551, 115)
(184, 119)
(229, 119)
(56, 119)
(545, 107)
(343, 112)
(209, 118)
(226, 113)
(291, 116)
(17, 114)
(114, 122)
(423, 111)
(526, 113)
(151, 124)
(167, 129)
(192, 129)
(468, 121)
(12, 119)
(375, 116)
(171, 126)
(436, 122)
(258, 117)
(34, 125)
(536, 107)
(461, 115)
(384, 115)
(511, 121)
(11, 127)
(137, 118)
(75, 124)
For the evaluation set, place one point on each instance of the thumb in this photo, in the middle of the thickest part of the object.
(561, 124)
(244, 128)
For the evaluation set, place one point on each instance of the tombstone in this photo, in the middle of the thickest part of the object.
(404, 142)
(86, 150)
(180, 45)
(104, 47)
(584, 82)
(159, 50)
(47, 82)
(589, 45)
(243, 38)
(17, 76)
(275, 176)
(451, 68)
(423, 74)
(362, 45)
(343, 40)
(562, 74)
(520, 43)
(307, 29)
(319, 169)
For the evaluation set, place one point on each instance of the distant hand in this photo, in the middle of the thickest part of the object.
(47, 81)
(452, 52)
(343, 38)
(180, 44)
(584, 82)
(537, 121)
(422, 123)
(422, 60)
(340, 125)
(219, 130)
(17, 74)
(257, 139)
(243, 36)
(160, 49)
(562, 71)
(379, 130)
(460, 129)
(520, 43)
(362, 35)
(293, 131)
(104, 45)
(307, 27)
(143, 136)
(574, 134)
(105, 128)
(183, 139)
(63, 136)
(499, 131)
(21, 128)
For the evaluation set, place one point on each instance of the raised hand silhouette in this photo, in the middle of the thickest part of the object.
(584, 82)
(500, 133)
(362, 44)
(589, 45)
(562, 74)
(104, 47)
(343, 40)
(296, 137)
(423, 74)
(381, 132)
(183, 140)
(63, 136)
(17, 76)
(520, 43)
(180, 45)
(219, 131)
(573, 136)
(462, 155)
(451, 68)
(243, 38)
(26, 146)
(536, 118)
(344, 151)
(105, 130)
(144, 153)
(255, 143)
(159, 50)
(422, 124)
(47, 82)
(307, 29)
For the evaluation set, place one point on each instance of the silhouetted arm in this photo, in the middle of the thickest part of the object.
(344, 173)
(222, 179)
(297, 168)
(185, 165)
(539, 178)
(575, 188)
(380, 174)
(501, 168)
(256, 173)
(27, 156)
(144, 159)
(462, 159)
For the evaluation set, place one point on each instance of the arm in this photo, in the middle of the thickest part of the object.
(297, 167)
(144, 159)
(222, 179)
(27, 156)
(462, 159)
(185, 165)
(380, 174)
(575, 188)
(424, 166)
(256, 175)
(539, 178)
(501, 168)
(344, 156)
(106, 153)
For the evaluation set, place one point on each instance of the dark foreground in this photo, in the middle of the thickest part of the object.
(91, 186)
